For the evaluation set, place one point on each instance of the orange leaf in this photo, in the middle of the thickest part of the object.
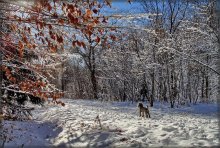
(13, 27)
(29, 46)
(21, 48)
(89, 32)
(88, 12)
(52, 49)
(96, 21)
(25, 39)
(34, 46)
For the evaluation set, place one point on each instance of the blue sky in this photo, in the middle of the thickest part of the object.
(124, 7)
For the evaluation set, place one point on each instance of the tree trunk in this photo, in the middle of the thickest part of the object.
(189, 90)
(94, 85)
(152, 91)
(202, 88)
(1, 113)
(1, 120)
(92, 68)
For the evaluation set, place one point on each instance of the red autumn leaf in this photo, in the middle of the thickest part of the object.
(49, 7)
(70, 8)
(19, 19)
(50, 26)
(41, 24)
(78, 43)
(52, 36)
(113, 37)
(25, 39)
(61, 21)
(83, 45)
(100, 31)
(97, 39)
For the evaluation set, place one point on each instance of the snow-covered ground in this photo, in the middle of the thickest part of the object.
(73, 125)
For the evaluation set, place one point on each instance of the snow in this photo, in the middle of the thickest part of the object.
(73, 125)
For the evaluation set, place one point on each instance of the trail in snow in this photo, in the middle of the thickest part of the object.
(73, 125)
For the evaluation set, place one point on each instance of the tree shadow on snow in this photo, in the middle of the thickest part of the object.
(30, 133)
(89, 139)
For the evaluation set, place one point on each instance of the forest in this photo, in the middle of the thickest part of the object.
(76, 62)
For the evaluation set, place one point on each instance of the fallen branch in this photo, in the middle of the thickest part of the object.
(97, 120)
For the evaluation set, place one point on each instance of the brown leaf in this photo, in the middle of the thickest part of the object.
(59, 39)
(55, 15)
(21, 48)
(95, 11)
(74, 43)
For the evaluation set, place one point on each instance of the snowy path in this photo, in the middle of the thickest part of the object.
(73, 125)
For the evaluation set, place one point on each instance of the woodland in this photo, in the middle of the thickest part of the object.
(155, 51)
